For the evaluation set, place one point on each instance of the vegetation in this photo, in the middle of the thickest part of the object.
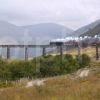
(83, 60)
(92, 32)
(40, 67)
(58, 88)
(55, 88)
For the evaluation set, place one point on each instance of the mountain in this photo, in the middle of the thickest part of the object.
(92, 32)
(47, 31)
(38, 33)
(31, 34)
(85, 29)
(9, 30)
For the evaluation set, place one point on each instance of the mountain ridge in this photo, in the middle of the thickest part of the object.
(92, 32)
(85, 28)
(50, 30)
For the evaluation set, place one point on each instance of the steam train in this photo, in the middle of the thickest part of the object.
(86, 40)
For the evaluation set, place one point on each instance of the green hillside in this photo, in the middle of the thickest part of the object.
(93, 32)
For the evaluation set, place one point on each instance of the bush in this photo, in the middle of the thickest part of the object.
(41, 67)
(22, 69)
(48, 67)
(15, 70)
(68, 57)
(51, 66)
(5, 73)
(84, 60)
(70, 64)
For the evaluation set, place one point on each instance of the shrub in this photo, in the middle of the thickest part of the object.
(70, 64)
(41, 67)
(22, 69)
(84, 60)
(51, 66)
(5, 73)
(48, 67)
(69, 57)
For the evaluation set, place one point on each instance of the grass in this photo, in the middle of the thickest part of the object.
(89, 51)
(58, 88)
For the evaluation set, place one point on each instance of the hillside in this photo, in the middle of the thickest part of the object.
(67, 87)
(46, 31)
(34, 33)
(85, 29)
(9, 31)
(93, 32)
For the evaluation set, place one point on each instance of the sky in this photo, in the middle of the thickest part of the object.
(70, 13)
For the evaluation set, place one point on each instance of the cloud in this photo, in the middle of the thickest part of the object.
(72, 13)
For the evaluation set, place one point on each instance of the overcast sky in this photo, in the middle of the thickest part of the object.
(71, 13)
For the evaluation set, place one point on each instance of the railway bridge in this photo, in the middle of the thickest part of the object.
(43, 47)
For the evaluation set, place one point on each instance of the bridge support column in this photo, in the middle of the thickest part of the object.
(44, 51)
(8, 52)
(26, 53)
(97, 54)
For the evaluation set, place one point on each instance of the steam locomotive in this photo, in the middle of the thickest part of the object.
(86, 40)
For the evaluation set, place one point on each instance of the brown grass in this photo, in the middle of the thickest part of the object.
(89, 51)
(58, 88)
(61, 87)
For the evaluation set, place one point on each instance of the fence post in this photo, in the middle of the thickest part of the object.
(97, 54)
(79, 51)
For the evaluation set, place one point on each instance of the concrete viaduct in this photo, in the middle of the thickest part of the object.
(43, 47)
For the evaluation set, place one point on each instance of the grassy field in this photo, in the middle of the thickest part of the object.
(65, 87)
(59, 88)
(89, 51)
